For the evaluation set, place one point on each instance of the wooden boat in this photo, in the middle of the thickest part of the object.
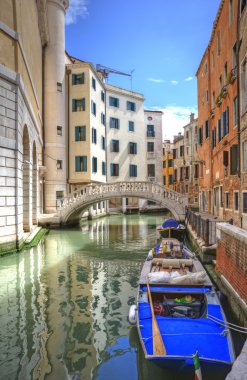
(172, 229)
(178, 312)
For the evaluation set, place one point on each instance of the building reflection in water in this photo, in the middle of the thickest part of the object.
(64, 304)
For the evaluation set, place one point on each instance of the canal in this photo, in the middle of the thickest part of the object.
(64, 304)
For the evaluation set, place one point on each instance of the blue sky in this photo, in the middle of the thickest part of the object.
(162, 40)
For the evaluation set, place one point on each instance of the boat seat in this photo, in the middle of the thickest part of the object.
(174, 263)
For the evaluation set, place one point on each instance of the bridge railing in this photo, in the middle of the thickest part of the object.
(118, 188)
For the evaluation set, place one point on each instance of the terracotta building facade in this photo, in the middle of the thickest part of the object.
(218, 148)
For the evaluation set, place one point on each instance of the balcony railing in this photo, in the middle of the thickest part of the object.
(150, 134)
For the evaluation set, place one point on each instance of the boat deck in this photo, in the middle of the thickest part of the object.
(184, 337)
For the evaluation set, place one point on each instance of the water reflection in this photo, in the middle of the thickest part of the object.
(64, 304)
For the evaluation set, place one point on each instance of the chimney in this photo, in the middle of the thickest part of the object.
(192, 117)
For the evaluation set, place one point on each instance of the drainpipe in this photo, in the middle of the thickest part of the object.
(43, 125)
(68, 72)
(238, 90)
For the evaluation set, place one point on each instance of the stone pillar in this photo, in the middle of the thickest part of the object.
(124, 205)
(54, 104)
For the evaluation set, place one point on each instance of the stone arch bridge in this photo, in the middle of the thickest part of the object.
(70, 208)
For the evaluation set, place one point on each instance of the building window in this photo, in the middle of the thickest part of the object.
(234, 56)
(164, 180)
(114, 123)
(170, 179)
(150, 147)
(131, 126)
(221, 196)
(59, 195)
(200, 135)
(174, 152)
(236, 200)
(244, 203)
(103, 142)
(206, 129)
(131, 106)
(114, 146)
(94, 136)
(235, 111)
(78, 105)
(59, 87)
(181, 174)
(243, 87)
(94, 164)
(187, 172)
(225, 74)
(219, 130)
(103, 168)
(93, 108)
(225, 159)
(150, 130)
(175, 175)
(164, 164)
(151, 170)
(234, 160)
(196, 171)
(102, 118)
(78, 79)
(113, 102)
(244, 147)
(103, 96)
(114, 170)
(206, 96)
(59, 164)
(227, 199)
(93, 83)
(80, 133)
(59, 130)
(187, 134)
(170, 163)
(81, 163)
(212, 59)
(214, 138)
(218, 42)
(186, 188)
(181, 151)
(225, 122)
(133, 170)
(132, 148)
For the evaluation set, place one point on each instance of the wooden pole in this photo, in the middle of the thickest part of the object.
(158, 344)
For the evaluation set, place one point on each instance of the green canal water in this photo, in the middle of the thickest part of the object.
(64, 304)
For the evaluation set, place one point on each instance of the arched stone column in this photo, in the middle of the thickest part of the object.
(27, 182)
(35, 186)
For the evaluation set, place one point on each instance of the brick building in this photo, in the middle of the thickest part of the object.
(186, 162)
(168, 170)
(217, 118)
(242, 110)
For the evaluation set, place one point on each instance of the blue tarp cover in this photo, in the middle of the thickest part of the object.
(170, 223)
(174, 289)
(185, 336)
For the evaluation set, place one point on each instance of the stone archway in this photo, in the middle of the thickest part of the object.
(26, 199)
(35, 187)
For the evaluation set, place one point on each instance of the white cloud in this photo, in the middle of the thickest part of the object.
(174, 82)
(77, 9)
(174, 119)
(189, 79)
(156, 80)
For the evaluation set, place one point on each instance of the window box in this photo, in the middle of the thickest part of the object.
(232, 75)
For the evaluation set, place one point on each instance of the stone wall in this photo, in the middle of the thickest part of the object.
(231, 265)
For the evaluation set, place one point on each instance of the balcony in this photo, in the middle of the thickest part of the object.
(151, 179)
(151, 134)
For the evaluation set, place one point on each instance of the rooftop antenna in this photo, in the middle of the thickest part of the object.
(131, 79)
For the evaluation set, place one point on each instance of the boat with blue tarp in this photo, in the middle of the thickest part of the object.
(178, 311)
(171, 228)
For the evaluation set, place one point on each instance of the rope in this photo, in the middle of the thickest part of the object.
(179, 334)
(228, 325)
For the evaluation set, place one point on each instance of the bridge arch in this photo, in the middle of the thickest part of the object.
(71, 207)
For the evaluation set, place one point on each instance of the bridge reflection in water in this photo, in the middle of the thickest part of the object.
(64, 304)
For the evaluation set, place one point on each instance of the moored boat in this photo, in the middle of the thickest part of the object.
(178, 311)
(172, 229)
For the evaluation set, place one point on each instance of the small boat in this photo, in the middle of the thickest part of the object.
(172, 229)
(178, 312)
